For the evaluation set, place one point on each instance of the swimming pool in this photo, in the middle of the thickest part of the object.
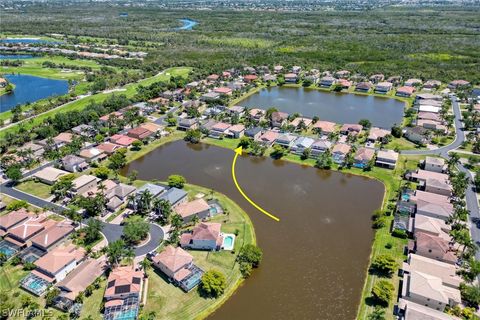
(228, 241)
(8, 249)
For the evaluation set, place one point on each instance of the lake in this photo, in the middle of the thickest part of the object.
(336, 107)
(30, 89)
(315, 258)
(28, 41)
(15, 56)
(187, 24)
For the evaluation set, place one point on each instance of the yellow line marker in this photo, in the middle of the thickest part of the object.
(238, 152)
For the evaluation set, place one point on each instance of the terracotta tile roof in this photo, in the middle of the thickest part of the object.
(52, 235)
(11, 219)
(123, 280)
(193, 207)
(174, 259)
(60, 257)
(109, 147)
(269, 136)
(295, 122)
(351, 127)
(341, 148)
(364, 154)
(406, 90)
(221, 126)
(237, 128)
(223, 90)
(433, 243)
(153, 127)
(64, 137)
(207, 231)
(29, 228)
(122, 140)
(325, 126)
(432, 202)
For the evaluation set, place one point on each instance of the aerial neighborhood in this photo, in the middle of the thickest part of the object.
(87, 233)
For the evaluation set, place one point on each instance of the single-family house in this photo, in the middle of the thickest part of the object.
(405, 91)
(445, 271)
(324, 127)
(250, 78)
(348, 128)
(455, 84)
(327, 81)
(342, 74)
(268, 138)
(83, 183)
(156, 129)
(386, 159)
(376, 78)
(413, 82)
(429, 116)
(122, 140)
(210, 96)
(52, 235)
(432, 204)
(63, 138)
(300, 122)
(155, 190)
(238, 110)
(140, 133)
(188, 124)
(174, 196)
(178, 266)
(213, 77)
(291, 77)
(279, 118)
(340, 152)
(21, 233)
(278, 69)
(344, 83)
(285, 140)
(383, 87)
(428, 108)
(256, 114)
(301, 144)
(363, 156)
(377, 134)
(13, 219)
(253, 132)
(219, 130)
(109, 148)
(36, 149)
(205, 236)
(432, 84)
(236, 131)
(123, 293)
(73, 163)
(93, 154)
(434, 247)
(296, 69)
(434, 164)
(188, 210)
(49, 175)
(223, 91)
(415, 311)
(118, 196)
(433, 226)
(363, 86)
(416, 134)
(319, 146)
(85, 130)
(430, 181)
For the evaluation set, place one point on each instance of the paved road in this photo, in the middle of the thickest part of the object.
(112, 232)
(470, 195)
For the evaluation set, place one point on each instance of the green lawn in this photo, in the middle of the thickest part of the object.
(92, 305)
(37, 189)
(400, 144)
(82, 103)
(169, 301)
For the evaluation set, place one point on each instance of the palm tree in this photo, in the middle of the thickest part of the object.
(146, 201)
(132, 201)
(453, 160)
(146, 265)
(195, 220)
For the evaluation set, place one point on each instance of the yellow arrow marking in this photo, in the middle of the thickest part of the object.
(238, 152)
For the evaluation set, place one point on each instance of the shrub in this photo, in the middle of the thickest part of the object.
(384, 264)
(399, 233)
(176, 181)
(382, 292)
(213, 284)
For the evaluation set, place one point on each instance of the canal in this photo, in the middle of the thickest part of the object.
(315, 258)
(336, 107)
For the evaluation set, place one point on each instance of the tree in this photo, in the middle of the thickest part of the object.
(101, 172)
(17, 204)
(92, 231)
(244, 142)
(93, 206)
(193, 136)
(14, 173)
(118, 159)
(305, 154)
(135, 230)
(470, 294)
(137, 145)
(365, 123)
(250, 254)
(377, 314)
(382, 292)
(384, 264)
(62, 186)
(453, 160)
(176, 181)
(278, 152)
(324, 161)
(213, 283)
(51, 295)
(116, 251)
(396, 131)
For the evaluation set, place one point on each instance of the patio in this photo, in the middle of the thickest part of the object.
(8, 249)
(34, 284)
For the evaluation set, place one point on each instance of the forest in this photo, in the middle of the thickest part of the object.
(430, 43)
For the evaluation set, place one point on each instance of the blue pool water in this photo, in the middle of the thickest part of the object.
(213, 210)
(7, 251)
(30, 89)
(228, 241)
(405, 197)
(15, 56)
(187, 24)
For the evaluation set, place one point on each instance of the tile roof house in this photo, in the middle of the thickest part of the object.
(430, 181)
(363, 86)
(458, 83)
(223, 90)
(429, 291)
(291, 77)
(325, 127)
(84, 130)
(347, 128)
(210, 96)
(383, 87)
(285, 140)
(84, 183)
(122, 140)
(268, 138)
(236, 131)
(434, 164)
(319, 146)
(219, 130)
(256, 114)
(63, 139)
(139, 133)
(177, 264)
(118, 195)
(13, 219)
(434, 247)
(445, 271)
(363, 156)
(432, 125)
(253, 132)
(327, 81)
(433, 226)
(339, 152)
(387, 159)
(109, 148)
(377, 78)
(152, 127)
(279, 118)
(93, 154)
(301, 144)
(78, 280)
(432, 84)
(405, 91)
(188, 124)
(56, 264)
(250, 78)
(416, 134)
(36, 149)
(432, 205)
(188, 210)
(21, 233)
(377, 134)
(73, 163)
(123, 293)
(52, 235)
(49, 175)
(429, 116)
(205, 236)
(415, 311)
(297, 121)
(413, 82)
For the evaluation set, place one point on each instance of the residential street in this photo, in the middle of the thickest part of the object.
(471, 197)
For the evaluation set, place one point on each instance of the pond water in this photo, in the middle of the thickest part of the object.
(15, 56)
(187, 24)
(336, 107)
(30, 89)
(315, 258)
(27, 40)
